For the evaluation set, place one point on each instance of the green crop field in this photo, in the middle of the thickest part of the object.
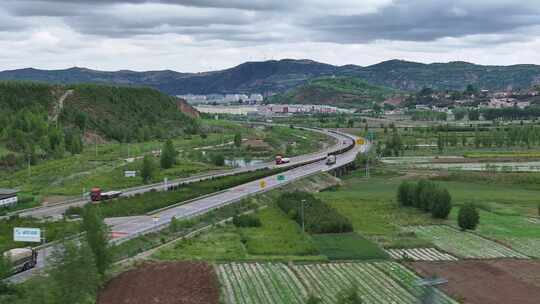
(378, 282)
(518, 232)
(347, 246)
(463, 244)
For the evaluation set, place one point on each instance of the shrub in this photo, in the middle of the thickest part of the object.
(468, 217)
(426, 195)
(405, 195)
(319, 217)
(442, 205)
(246, 220)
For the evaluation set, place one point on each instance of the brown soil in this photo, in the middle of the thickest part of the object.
(481, 282)
(164, 283)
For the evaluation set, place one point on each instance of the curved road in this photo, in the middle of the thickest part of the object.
(131, 227)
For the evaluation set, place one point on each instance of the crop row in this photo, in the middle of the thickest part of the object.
(420, 254)
(464, 244)
(377, 282)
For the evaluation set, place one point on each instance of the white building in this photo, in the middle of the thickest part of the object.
(8, 197)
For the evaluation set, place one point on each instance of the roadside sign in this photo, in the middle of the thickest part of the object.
(281, 177)
(262, 184)
(27, 234)
(130, 173)
(360, 141)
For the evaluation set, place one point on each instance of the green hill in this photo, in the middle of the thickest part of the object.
(44, 120)
(347, 92)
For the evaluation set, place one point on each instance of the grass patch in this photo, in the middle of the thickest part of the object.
(278, 239)
(348, 246)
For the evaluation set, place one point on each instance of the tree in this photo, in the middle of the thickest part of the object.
(218, 159)
(442, 205)
(168, 155)
(427, 196)
(237, 139)
(5, 268)
(468, 217)
(73, 273)
(97, 236)
(348, 296)
(405, 195)
(148, 169)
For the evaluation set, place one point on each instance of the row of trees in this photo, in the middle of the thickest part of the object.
(426, 196)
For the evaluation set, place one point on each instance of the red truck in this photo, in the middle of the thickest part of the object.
(96, 195)
(282, 160)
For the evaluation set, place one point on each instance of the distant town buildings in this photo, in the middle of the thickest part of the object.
(269, 110)
(223, 98)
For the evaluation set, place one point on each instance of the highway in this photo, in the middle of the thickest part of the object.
(56, 211)
(131, 227)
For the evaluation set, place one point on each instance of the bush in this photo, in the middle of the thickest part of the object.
(246, 220)
(405, 195)
(319, 217)
(468, 217)
(442, 205)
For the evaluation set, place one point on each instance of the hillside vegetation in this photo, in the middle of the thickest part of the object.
(336, 91)
(42, 121)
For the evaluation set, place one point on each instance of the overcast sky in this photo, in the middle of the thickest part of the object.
(200, 35)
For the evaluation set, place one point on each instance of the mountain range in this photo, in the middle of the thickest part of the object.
(276, 76)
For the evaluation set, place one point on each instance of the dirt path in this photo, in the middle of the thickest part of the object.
(59, 106)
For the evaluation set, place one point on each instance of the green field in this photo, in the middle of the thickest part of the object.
(347, 246)
(518, 232)
(279, 238)
(369, 204)
(505, 209)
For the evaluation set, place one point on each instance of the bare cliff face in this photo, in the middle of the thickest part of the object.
(185, 108)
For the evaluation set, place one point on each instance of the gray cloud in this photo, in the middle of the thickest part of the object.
(426, 20)
(92, 28)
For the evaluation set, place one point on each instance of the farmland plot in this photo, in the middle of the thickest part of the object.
(420, 254)
(464, 244)
(377, 283)
(260, 283)
(528, 246)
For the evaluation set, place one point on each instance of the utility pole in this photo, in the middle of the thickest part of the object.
(367, 166)
(29, 170)
(302, 208)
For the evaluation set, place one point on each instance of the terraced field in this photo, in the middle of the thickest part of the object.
(420, 254)
(377, 282)
(464, 244)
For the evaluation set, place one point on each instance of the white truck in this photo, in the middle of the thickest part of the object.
(21, 259)
(330, 160)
